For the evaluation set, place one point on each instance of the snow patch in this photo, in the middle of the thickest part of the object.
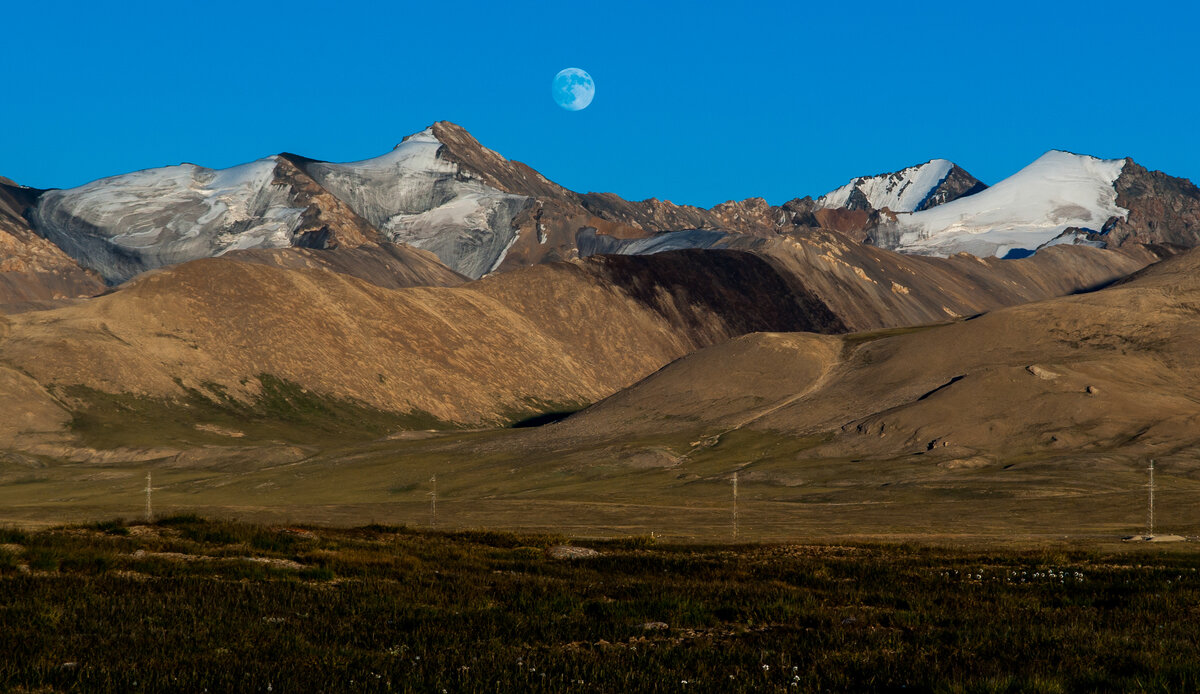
(504, 253)
(590, 242)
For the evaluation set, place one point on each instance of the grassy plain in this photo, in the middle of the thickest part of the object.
(187, 604)
(522, 480)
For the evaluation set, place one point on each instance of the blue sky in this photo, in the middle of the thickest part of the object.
(695, 102)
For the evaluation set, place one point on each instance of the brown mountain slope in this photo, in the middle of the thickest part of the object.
(546, 337)
(549, 337)
(327, 221)
(870, 288)
(1105, 378)
(33, 270)
(388, 265)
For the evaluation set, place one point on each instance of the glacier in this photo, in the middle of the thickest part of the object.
(415, 196)
(123, 225)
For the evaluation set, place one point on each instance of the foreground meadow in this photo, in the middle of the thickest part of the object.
(187, 604)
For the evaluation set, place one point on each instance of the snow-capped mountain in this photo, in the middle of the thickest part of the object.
(439, 190)
(123, 225)
(1059, 191)
(416, 196)
(915, 188)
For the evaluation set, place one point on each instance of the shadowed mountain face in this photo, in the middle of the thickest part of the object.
(869, 288)
(956, 184)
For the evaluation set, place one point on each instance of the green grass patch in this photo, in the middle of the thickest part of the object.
(852, 341)
(282, 410)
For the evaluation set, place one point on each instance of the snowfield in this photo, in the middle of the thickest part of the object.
(1015, 217)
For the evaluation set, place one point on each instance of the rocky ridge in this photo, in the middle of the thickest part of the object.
(1162, 209)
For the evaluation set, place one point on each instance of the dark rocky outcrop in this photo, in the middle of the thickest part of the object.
(957, 184)
(1162, 209)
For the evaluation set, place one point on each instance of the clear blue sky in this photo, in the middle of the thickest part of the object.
(696, 102)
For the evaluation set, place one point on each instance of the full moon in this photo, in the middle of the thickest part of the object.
(573, 89)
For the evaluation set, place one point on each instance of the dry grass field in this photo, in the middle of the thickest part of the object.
(186, 604)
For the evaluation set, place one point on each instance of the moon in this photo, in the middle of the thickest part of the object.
(573, 89)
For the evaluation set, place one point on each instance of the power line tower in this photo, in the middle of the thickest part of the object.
(433, 502)
(735, 506)
(1150, 513)
(149, 507)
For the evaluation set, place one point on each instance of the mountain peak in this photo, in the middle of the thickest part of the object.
(1062, 155)
(425, 135)
(918, 187)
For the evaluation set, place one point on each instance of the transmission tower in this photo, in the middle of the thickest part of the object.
(149, 507)
(1150, 515)
(735, 506)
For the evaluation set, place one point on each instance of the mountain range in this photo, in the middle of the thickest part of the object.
(440, 190)
(912, 318)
